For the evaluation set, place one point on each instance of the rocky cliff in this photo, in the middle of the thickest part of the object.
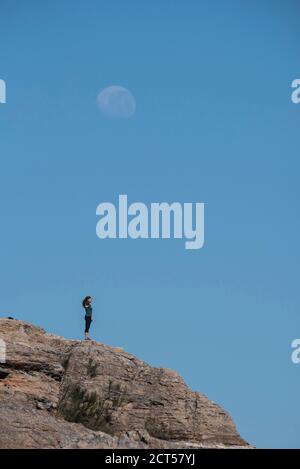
(58, 393)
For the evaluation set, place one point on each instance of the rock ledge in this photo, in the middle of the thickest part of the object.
(59, 393)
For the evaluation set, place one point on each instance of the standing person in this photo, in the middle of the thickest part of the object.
(87, 304)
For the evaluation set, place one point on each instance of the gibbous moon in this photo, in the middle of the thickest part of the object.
(116, 101)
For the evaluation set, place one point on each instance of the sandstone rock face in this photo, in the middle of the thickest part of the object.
(58, 393)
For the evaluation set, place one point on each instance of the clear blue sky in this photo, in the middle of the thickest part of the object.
(214, 123)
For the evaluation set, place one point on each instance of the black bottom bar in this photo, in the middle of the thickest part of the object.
(151, 458)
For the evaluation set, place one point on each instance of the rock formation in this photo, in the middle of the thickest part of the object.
(59, 393)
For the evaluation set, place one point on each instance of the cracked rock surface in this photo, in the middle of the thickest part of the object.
(59, 393)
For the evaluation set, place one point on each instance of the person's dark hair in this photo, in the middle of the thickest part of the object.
(85, 301)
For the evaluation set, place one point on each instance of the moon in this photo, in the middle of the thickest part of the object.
(116, 101)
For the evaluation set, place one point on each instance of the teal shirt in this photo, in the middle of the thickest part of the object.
(88, 310)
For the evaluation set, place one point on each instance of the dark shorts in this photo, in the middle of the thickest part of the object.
(88, 320)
